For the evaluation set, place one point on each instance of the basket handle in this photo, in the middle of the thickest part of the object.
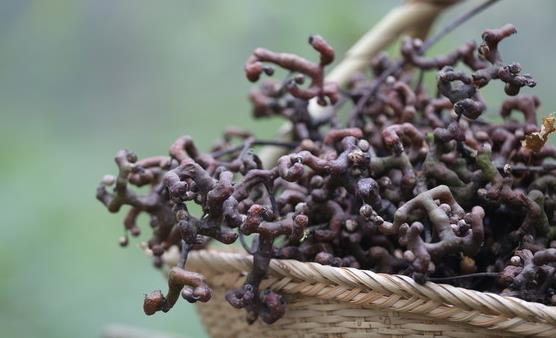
(414, 17)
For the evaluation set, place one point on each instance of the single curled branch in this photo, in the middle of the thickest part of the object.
(254, 67)
(191, 285)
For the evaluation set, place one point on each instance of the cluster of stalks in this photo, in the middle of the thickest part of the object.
(414, 182)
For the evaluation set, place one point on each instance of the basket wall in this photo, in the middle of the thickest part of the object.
(325, 301)
(312, 317)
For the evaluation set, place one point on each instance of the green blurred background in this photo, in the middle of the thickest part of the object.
(81, 79)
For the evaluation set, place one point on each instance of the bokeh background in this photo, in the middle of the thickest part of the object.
(80, 79)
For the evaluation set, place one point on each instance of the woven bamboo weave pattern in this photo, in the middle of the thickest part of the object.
(312, 317)
(413, 310)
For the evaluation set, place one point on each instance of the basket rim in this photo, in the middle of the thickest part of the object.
(393, 292)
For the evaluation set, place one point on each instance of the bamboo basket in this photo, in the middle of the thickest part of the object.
(324, 301)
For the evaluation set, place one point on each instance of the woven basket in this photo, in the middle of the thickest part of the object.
(324, 301)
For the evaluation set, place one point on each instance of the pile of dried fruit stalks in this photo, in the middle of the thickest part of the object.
(416, 182)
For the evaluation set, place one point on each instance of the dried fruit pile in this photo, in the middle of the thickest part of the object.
(413, 181)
